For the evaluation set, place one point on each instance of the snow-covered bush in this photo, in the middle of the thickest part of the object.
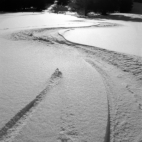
(57, 8)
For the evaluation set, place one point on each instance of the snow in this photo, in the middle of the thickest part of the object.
(98, 96)
(26, 67)
(38, 20)
(69, 109)
(125, 38)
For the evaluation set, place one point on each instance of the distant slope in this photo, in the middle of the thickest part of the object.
(137, 8)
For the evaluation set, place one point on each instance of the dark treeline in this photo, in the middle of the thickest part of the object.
(25, 5)
(22, 5)
(102, 6)
(63, 2)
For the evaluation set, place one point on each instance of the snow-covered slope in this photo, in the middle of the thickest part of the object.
(75, 109)
(95, 97)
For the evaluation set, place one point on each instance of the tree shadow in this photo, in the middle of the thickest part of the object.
(119, 16)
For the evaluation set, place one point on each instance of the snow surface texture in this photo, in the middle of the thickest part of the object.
(97, 99)
(8, 132)
(110, 37)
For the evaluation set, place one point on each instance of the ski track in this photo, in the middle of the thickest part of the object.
(118, 121)
(12, 128)
(52, 38)
(127, 63)
(111, 106)
(125, 110)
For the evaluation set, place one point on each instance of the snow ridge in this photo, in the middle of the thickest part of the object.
(12, 128)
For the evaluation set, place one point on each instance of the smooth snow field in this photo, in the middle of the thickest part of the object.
(125, 39)
(55, 90)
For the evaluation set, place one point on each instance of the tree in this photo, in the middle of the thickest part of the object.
(82, 5)
(125, 5)
(104, 6)
(62, 2)
(19, 5)
(101, 6)
(2, 4)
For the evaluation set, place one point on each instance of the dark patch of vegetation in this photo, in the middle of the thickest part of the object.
(28, 5)
(140, 1)
(125, 5)
(103, 6)
(63, 2)
(56, 8)
(24, 5)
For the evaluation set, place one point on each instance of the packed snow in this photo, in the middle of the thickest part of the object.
(95, 93)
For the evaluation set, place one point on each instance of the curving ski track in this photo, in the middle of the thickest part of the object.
(11, 128)
(113, 132)
(54, 38)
